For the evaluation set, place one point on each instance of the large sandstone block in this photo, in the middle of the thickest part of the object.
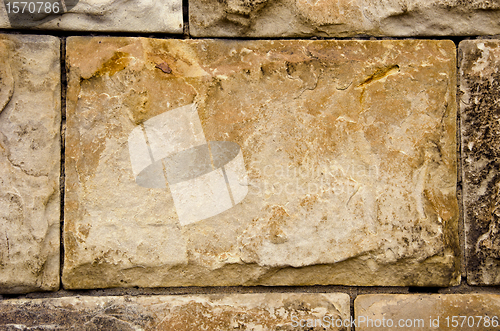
(479, 98)
(343, 18)
(30, 120)
(164, 16)
(190, 312)
(427, 312)
(204, 162)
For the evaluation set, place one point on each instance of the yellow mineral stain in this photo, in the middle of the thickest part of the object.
(116, 63)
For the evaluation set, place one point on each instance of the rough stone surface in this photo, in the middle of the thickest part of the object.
(202, 312)
(343, 18)
(30, 119)
(163, 16)
(427, 312)
(349, 152)
(479, 98)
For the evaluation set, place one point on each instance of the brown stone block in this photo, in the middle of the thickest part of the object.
(163, 16)
(480, 117)
(427, 312)
(211, 162)
(179, 313)
(342, 18)
(30, 120)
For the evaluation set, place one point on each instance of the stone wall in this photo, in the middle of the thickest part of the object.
(255, 165)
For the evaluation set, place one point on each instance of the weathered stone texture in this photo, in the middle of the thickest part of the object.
(343, 18)
(163, 313)
(348, 150)
(29, 163)
(94, 15)
(480, 117)
(427, 312)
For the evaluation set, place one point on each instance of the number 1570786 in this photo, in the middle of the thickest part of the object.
(32, 7)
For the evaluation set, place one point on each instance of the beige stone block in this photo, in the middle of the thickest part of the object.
(479, 97)
(427, 312)
(206, 163)
(190, 312)
(163, 16)
(30, 120)
(343, 18)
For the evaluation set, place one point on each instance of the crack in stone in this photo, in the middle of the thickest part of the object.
(27, 172)
(6, 86)
(379, 74)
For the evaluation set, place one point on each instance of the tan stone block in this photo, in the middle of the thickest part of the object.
(427, 312)
(479, 97)
(190, 312)
(329, 162)
(343, 18)
(163, 16)
(30, 120)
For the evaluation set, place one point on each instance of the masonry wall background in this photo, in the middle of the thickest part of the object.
(390, 109)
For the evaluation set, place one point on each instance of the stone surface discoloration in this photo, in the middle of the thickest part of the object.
(479, 97)
(427, 312)
(343, 18)
(163, 16)
(348, 148)
(29, 163)
(165, 313)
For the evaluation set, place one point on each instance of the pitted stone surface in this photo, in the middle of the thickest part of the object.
(479, 312)
(29, 163)
(479, 98)
(343, 18)
(347, 173)
(190, 312)
(164, 16)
